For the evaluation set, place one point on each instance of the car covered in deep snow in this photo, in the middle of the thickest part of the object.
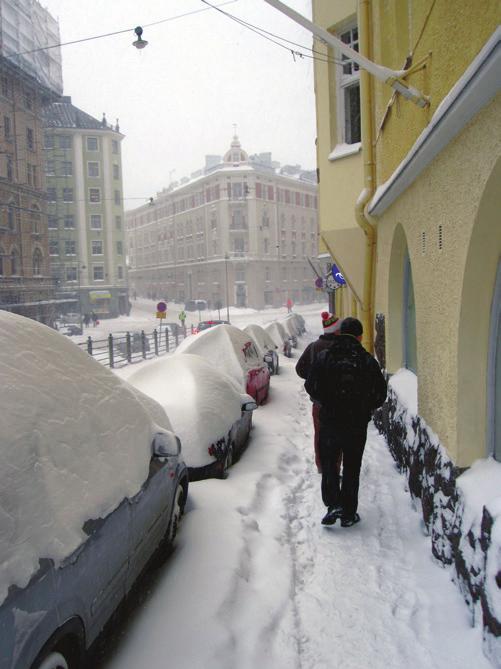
(280, 336)
(206, 407)
(234, 352)
(92, 483)
(265, 345)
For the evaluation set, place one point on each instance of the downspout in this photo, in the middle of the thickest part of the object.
(367, 136)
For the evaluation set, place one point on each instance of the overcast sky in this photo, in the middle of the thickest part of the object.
(178, 98)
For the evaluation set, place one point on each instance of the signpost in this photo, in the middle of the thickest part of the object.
(161, 313)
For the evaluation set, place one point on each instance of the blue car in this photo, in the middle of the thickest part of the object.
(92, 484)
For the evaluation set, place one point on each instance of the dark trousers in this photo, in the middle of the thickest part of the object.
(350, 442)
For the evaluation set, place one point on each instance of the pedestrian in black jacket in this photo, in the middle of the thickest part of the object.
(349, 384)
(330, 324)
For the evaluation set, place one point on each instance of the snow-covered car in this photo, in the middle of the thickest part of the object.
(206, 408)
(130, 343)
(233, 351)
(92, 482)
(280, 336)
(205, 325)
(70, 329)
(265, 345)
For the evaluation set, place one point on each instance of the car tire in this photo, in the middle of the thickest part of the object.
(175, 518)
(52, 661)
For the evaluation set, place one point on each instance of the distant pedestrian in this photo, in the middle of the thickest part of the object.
(290, 304)
(330, 324)
(182, 318)
(95, 321)
(349, 384)
(86, 320)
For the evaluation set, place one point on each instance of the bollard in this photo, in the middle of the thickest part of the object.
(89, 345)
(128, 347)
(110, 350)
(143, 343)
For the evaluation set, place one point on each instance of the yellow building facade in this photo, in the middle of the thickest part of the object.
(434, 202)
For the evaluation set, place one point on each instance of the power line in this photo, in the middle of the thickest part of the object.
(264, 33)
(117, 32)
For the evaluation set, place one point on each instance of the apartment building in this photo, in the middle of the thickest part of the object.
(238, 232)
(83, 169)
(28, 83)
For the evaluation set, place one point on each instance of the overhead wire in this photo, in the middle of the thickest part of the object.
(264, 33)
(117, 32)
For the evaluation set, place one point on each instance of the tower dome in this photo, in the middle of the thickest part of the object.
(236, 154)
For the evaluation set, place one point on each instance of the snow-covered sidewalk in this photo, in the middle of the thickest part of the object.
(257, 582)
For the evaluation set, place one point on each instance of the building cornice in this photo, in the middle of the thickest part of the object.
(473, 91)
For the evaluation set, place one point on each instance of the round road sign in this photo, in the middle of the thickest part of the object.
(161, 306)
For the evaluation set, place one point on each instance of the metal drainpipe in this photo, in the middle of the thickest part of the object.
(367, 132)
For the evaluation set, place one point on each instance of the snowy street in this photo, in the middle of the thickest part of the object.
(256, 581)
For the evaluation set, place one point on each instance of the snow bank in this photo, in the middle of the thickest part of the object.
(227, 348)
(74, 442)
(404, 383)
(202, 403)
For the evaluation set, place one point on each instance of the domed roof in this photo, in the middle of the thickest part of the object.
(236, 154)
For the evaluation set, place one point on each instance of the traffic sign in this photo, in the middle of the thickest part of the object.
(161, 306)
(161, 314)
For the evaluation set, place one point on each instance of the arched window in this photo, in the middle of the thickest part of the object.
(37, 262)
(14, 262)
(11, 218)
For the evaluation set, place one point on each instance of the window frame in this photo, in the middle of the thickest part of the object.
(344, 81)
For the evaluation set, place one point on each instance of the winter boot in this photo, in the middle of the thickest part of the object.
(333, 513)
(348, 521)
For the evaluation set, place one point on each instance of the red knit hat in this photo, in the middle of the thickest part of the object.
(330, 322)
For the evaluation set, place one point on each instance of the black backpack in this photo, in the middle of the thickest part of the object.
(338, 379)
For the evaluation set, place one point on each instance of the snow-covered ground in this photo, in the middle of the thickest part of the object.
(256, 581)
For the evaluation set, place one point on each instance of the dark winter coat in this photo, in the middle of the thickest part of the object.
(310, 353)
(371, 383)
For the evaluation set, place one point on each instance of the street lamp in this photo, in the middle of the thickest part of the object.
(80, 294)
(226, 258)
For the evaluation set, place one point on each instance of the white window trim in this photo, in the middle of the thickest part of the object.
(343, 81)
(93, 176)
(87, 143)
(93, 227)
(95, 201)
(94, 266)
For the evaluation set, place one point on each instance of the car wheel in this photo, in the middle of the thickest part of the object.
(53, 661)
(175, 518)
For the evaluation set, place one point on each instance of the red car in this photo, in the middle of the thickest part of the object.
(234, 352)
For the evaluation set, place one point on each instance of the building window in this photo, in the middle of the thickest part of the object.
(11, 219)
(53, 247)
(6, 86)
(116, 171)
(93, 169)
(114, 146)
(10, 168)
(266, 245)
(50, 168)
(348, 87)
(94, 195)
(65, 141)
(28, 98)
(66, 168)
(48, 141)
(118, 197)
(70, 247)
(118, 222)
(52, 223)
(67, 194)
(69, 222)
(120, 249)
(7, 128)
(120, 272)
(37, 262)
(35, 219)
(30, 139)
(92, 144)
(71, 274)
(96, 222)
(32, 175)
(97, 247)
(98, 272)
(51, 194)
(14, 262)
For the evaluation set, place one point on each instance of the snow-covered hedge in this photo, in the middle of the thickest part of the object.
(461, 511)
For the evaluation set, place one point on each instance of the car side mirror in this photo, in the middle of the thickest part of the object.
(249, 406)
(166, 446)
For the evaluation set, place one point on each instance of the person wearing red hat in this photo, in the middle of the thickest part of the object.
(331, 325)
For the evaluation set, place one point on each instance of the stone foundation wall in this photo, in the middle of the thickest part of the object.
(470, 545)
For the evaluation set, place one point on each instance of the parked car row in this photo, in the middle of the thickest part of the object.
(88, 493)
